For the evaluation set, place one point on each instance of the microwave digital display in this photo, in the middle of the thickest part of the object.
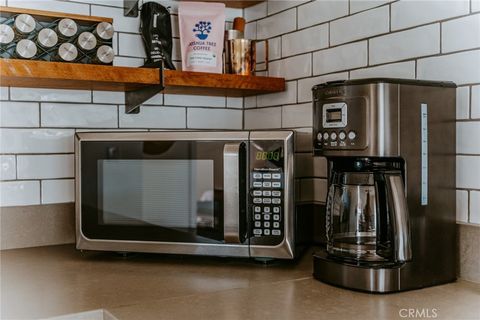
(334, 115)
(268, 155)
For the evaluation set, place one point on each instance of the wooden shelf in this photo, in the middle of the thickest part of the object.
(42, 74)
(59, 75)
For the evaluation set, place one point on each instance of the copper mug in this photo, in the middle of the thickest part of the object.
(240, 56)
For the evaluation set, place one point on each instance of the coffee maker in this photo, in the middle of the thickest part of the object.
(390, 215)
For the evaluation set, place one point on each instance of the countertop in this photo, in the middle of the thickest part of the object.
(50, 281)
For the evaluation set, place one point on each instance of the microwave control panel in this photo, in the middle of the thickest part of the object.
(266, 196)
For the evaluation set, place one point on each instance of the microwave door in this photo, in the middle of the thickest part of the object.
(158, 191)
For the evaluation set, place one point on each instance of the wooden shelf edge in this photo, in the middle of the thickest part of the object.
(237, 85)
(52, 14)
(59, 75)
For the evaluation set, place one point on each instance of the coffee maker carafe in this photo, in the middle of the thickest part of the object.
(390, 208)
(367, 215)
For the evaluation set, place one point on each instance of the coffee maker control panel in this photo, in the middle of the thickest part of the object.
(340, 125)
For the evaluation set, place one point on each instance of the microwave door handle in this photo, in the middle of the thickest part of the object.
(400, 222)
(231, 192)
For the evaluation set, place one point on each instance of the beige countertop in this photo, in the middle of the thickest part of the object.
(51, 281)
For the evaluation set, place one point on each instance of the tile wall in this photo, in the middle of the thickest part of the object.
(317, 41)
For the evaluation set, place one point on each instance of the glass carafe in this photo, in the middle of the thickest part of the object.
(352, 216)
(367, 217)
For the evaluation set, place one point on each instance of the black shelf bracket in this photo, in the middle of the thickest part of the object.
(135, 98)
(130, 8)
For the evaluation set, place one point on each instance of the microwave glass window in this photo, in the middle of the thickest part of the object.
(168, 193)
(334, 115)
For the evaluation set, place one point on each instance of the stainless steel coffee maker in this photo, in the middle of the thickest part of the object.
(390, 215)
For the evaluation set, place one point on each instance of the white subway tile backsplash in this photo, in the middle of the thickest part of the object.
(463, 102)
(372, 22)
(131, 45)
(8, 167)
(36, 140)
(264, 118)
(58, 191)
(274, 48)
(475, 101)
(176, 51)
(462, 206)
(280, 98)
(305, 85)
(303, 140)
(232, 13)
(405, 70)
(321, 11)
(474, 207)
(412, 43)
(45, 166)
(277, 24)
(475, 5)
(153, 117)
(3, 93)
(275, 6)
(250, 31)
(292, 68)
(175, 26)
(305, 40)
(360, 5)
(194, 101)
(79, 116)
(297, 115)
(156, 100)
(250, 102)
(19, 114)
(235, 102)
(468, 172)
(19, 193)
(110, 97)
(51, 5)
(349, 56)
(413, 13)
(461, 34)
(50, 95)
(461, 68)
(128, 62)
(199, 118)
(255, 12)
(466, 143)
(120, 22)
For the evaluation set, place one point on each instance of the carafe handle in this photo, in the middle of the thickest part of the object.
(402, 250)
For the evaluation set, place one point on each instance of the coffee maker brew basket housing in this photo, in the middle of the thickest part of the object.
(388, 128)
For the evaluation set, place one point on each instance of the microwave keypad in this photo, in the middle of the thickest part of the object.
(267, 198)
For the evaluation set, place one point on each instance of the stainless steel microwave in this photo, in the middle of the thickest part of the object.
(183, 192)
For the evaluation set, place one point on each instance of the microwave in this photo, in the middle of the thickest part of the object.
(186, 192)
